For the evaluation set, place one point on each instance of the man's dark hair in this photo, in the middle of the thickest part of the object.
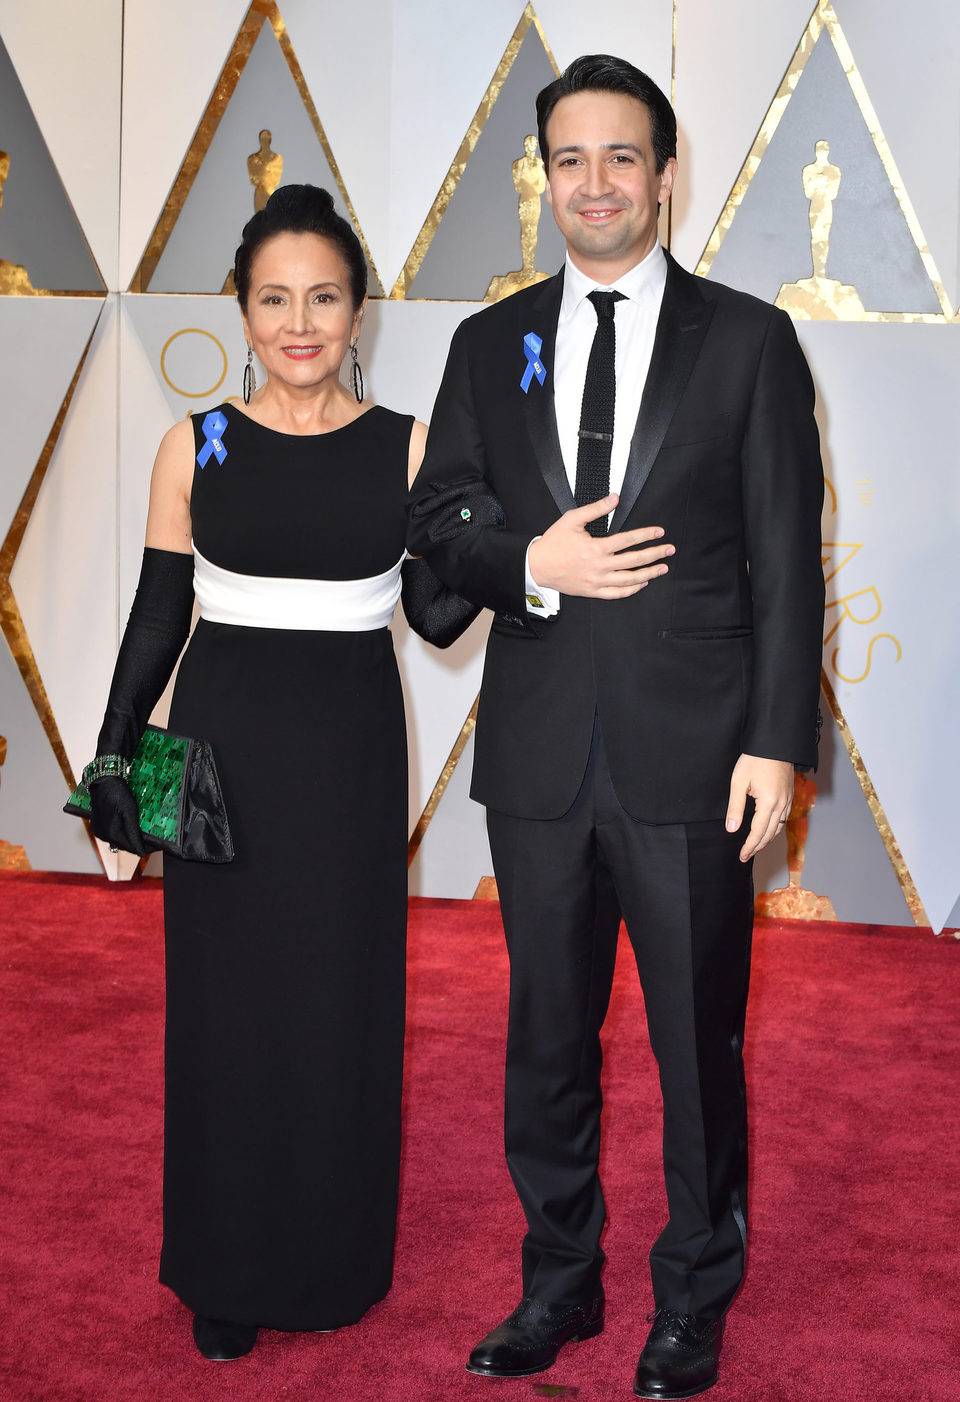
(300, 209)
(604, 73)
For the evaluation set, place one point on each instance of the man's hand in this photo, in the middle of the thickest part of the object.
(568, 558)
(769, 782)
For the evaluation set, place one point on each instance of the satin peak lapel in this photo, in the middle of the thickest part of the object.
(541, 316)
(684, 318)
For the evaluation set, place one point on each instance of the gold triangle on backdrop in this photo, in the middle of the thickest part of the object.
(452, 179)
(824, 19)
(247, 35)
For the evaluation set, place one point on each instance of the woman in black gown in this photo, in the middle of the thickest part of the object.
(285, 967)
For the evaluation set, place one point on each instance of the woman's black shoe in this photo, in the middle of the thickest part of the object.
(221, 1341)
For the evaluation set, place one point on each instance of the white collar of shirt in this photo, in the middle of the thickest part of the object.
(645, 279)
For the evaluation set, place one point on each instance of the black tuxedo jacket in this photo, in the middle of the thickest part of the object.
(721, 656)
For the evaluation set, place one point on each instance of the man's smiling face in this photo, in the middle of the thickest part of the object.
(602, 181)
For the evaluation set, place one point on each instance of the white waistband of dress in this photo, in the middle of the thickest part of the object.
(323, 605)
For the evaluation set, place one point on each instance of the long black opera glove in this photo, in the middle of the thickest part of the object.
(156, 631)
(434, 611)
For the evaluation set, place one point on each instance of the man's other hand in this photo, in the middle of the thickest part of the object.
(769, 782)
(568, 558)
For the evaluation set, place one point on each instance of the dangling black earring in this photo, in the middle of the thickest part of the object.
(356, 374)
(249, 378)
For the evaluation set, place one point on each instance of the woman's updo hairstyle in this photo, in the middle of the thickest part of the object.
(300, 209)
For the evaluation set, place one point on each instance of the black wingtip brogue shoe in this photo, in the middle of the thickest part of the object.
(680, 1356)
(221, 1341)
(529, 1339)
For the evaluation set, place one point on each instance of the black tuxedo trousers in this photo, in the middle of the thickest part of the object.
(688, 906)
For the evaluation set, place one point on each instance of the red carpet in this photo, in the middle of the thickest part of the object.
(852, 1286)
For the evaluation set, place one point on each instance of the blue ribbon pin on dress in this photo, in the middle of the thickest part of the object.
(213, 426)
(531, 349)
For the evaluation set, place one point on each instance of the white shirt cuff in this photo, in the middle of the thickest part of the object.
(543, 602)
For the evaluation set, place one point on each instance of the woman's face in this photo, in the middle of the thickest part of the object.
(300, 317)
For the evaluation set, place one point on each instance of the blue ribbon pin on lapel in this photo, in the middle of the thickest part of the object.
(531, 349)
(213, 426)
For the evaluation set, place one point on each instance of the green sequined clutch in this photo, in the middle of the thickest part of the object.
(179, 801)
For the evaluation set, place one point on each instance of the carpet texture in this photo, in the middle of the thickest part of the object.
(853, 1280)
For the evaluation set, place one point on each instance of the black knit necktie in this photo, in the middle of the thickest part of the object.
(595, 442)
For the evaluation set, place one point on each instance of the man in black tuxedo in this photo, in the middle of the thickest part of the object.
(651, 680)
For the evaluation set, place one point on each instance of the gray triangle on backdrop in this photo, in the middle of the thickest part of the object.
(38, 228)
(478, 237)
(199, 252)
(870, 244)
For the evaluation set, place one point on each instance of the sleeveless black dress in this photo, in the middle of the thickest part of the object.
(285, 967)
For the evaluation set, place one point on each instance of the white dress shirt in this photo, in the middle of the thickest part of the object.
(636, 325)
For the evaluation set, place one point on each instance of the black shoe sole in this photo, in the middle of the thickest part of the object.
(589, 1331)
(675, 1396)
(215, 1351)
